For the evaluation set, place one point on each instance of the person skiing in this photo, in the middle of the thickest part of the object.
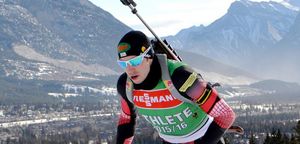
(173, 98)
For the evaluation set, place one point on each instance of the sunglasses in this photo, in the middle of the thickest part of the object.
(134, 61)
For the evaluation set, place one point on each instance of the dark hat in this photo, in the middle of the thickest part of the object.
(133, 43)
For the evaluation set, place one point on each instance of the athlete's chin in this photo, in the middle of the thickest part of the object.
(137, 80)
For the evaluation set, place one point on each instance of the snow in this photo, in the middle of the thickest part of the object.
(246, 2)
(81, 89)
(65, 95)
(77, 90)
(1, 113)
(233, 94)
(46, 120)
(289, 6)
(274, 32)
(71, 95)
(55, 94)
(86, 78)
(244, 91)
(30, 53)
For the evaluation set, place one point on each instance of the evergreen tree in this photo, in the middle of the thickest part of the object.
(226, 139)
(268, 139)
(278, 137)
(285, 139)
(275, 138)
(8, 140)
(293, 140)
(297, 129)
(252, 139)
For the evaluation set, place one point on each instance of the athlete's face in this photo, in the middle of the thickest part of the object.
(139, 72)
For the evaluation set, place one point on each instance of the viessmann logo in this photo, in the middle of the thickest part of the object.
(154, 99)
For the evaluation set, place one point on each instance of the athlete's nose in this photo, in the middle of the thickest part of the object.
(129, 67)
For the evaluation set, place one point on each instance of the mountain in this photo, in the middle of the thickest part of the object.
(76, 33)
(283, 61)
(278, 86)
(246, 28)
(45, 45)
(184, 35)
(264, 92)
(214, 71)
(92, 31)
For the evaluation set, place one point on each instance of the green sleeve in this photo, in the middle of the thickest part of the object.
(173, 65)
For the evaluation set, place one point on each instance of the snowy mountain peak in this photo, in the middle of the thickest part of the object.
(246, 2)
(295, 3)
(248, 30)
(291, 5)
(247, 6)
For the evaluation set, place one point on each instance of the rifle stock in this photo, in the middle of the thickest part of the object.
(160, 48)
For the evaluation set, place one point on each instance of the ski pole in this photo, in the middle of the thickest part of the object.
(131, 4)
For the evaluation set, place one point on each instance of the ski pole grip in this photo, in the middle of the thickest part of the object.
(129, 2)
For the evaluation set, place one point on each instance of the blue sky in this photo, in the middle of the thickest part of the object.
(168, 17)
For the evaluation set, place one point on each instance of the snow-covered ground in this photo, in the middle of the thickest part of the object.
(46, 120)
(78, 90)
